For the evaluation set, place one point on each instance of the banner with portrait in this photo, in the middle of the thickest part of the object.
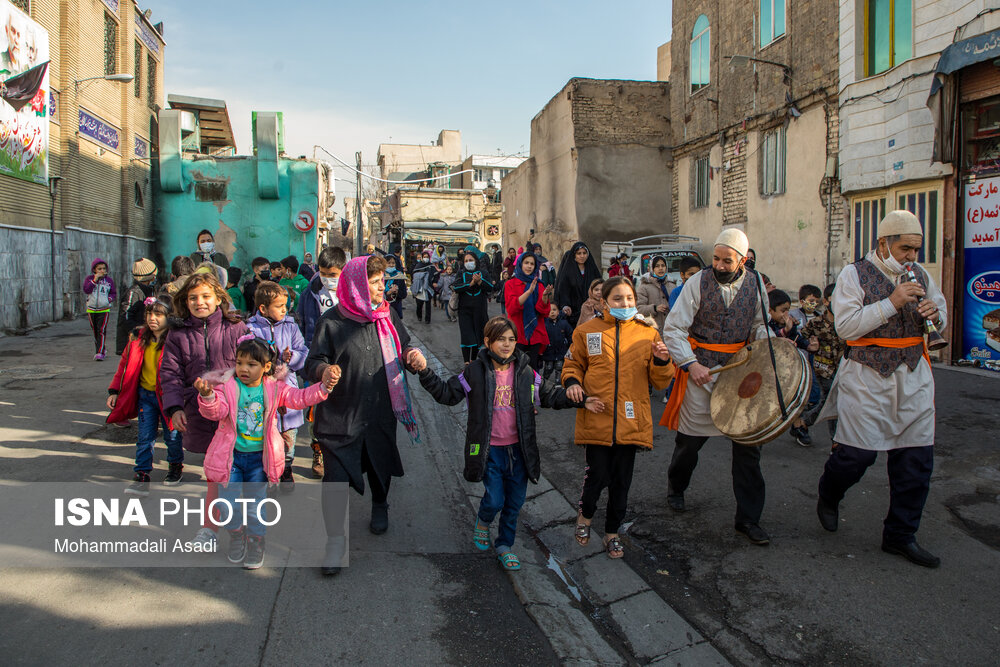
(24, 134)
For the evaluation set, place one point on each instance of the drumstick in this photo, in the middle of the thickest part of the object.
(733, 365)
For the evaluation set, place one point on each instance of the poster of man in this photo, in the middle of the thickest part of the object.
(24, 134)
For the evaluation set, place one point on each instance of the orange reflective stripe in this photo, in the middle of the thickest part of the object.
(672, 412)
(893, 343)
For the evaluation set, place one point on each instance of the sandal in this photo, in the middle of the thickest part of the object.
(481, 537)
(509, 561)
(582, 533)
(614, 546)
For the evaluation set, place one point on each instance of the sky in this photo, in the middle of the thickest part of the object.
(349, 76)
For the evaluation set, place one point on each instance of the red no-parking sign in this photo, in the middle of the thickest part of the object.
(304, 221)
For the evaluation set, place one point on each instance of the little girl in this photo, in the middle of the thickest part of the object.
(100, 291)
(204, 340)
(615, 357)
(247, 447)
(135, 390)
(591, 308)
(501, 389)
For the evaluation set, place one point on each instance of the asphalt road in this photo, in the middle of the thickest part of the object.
(813, 597)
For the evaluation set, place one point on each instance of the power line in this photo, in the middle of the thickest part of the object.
(382, 180)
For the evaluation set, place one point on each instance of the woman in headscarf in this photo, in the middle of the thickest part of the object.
(527, 305)
(356, 425)
(653, 292)
(577, 271)
(395, 284)
(423, 277)
(473, 287)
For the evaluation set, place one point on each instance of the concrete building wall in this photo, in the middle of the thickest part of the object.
(394, 158)
(663, 62)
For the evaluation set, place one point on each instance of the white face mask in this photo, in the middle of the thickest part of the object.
(891, 263)
(470, 266)
(208, 247)
(330, 283)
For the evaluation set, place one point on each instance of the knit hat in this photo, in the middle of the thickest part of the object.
(143, 268)
(896, 223)
(735, 239)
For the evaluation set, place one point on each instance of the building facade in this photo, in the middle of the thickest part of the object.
(485, 171)
(415, 217)
(402, 162)
(755, 127)
(91, 195)
(599, 168)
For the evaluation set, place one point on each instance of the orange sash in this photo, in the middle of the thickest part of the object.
(893, 343)
(672, 413)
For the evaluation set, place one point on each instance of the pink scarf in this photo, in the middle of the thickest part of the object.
(354, 302)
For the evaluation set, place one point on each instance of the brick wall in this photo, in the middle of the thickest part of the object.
(734, 181)
(612, 112)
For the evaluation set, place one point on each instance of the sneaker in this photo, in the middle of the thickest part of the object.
(255, 552)
(205, 536)
(317, 463)
(139, 485)
(802, 436)
(98, 357)
(174, 474)
(287, 481)
(125, 423)
(237, 545)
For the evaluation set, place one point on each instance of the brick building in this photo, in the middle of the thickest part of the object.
(94, 197)
(599, 168)
(755, 135)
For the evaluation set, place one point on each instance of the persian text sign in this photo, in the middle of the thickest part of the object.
(146, 35)
(980, 321)
(141, 147)
(24, 134)
(982, 214)
(99, 131)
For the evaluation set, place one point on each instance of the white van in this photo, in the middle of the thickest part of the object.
(672, 247)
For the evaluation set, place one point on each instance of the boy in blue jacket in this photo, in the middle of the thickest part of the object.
(560, 336)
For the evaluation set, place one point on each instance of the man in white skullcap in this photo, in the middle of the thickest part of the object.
(717, 313)
(884, 389)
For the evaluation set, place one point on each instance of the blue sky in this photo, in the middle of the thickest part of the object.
(349, 76)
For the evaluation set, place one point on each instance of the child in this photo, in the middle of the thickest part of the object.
(688, 266)
(423, 277)
(277, 272)
(203, 339)
(272, 323)
(785, 326)
(560, 336)
(500, 445)
(395, 284)
(130, 309)
(591, 308)
(180, 269)
(614, 358)
(826, 359)
(809, 299)
(261, 271)
(445, 282)
(234, 291)
(100, 291)
(135, 390)
(246, 447)
(292, 281)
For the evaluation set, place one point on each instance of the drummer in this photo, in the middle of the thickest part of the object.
(717, 314)
(884, 389)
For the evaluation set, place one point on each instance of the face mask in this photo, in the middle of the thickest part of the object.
(725, 277)
(265, 274)
(623, 314)
(392, 270)
(208, 247)
(497, 358)
(891, 263)
(750, 263)
(330, 283)
(470, 266)
(808, 307)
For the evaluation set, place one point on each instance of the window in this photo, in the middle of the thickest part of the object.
(151, 80)
(867, 213)
(138, 70)
(480, 175)
(772, 162)
(772, 20)
(138, 195)
(23, 5)
(110, 44)
(701, 182)
(699, 53)
(924, 205)
(888, 34)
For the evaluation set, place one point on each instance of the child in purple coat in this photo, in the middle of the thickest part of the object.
(100, 291)
(271, 322)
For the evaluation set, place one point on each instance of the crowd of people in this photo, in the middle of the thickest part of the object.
(227, 370)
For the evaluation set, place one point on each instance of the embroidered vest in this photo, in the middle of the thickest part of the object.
(906, 323)
(714, 323)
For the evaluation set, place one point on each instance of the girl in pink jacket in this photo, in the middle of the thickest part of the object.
(247, 450)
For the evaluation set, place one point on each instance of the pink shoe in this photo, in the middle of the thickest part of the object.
(99, 356)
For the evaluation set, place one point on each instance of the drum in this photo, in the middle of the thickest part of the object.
(745, 404)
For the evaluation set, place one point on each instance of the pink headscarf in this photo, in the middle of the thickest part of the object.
(354, 302)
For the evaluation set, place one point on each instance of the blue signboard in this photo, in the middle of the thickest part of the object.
(141, 147)
(112, 5)
(97, 130)
(981, 296)
(146, 35)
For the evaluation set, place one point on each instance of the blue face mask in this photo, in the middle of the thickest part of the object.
(623, 314)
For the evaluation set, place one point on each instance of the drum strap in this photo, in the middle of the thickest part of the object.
(672, 413)
(893, 343)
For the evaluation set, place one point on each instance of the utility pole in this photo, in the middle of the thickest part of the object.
(358, 232)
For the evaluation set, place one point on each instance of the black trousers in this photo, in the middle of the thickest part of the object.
(533, 353)
(909, 481)
(424, 311)
(748, 480)
(99, 323)
(611, 468)
(334, 471)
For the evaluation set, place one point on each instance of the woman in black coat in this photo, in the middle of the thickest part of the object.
(576, 271)
(473, 287)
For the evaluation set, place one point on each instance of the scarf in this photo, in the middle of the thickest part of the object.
(530, 316)
(662, 281)
(354, 303)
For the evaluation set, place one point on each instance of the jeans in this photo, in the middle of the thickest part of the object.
(150, 417)
(247, 479)
(506, 484)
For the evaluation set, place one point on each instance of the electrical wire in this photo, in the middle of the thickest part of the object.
(382, 180)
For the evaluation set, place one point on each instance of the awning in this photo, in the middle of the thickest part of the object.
(440, 236)
(943, 100)
(213, 120)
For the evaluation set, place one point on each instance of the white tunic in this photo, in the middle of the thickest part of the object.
(696, 416)
(878, 413)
